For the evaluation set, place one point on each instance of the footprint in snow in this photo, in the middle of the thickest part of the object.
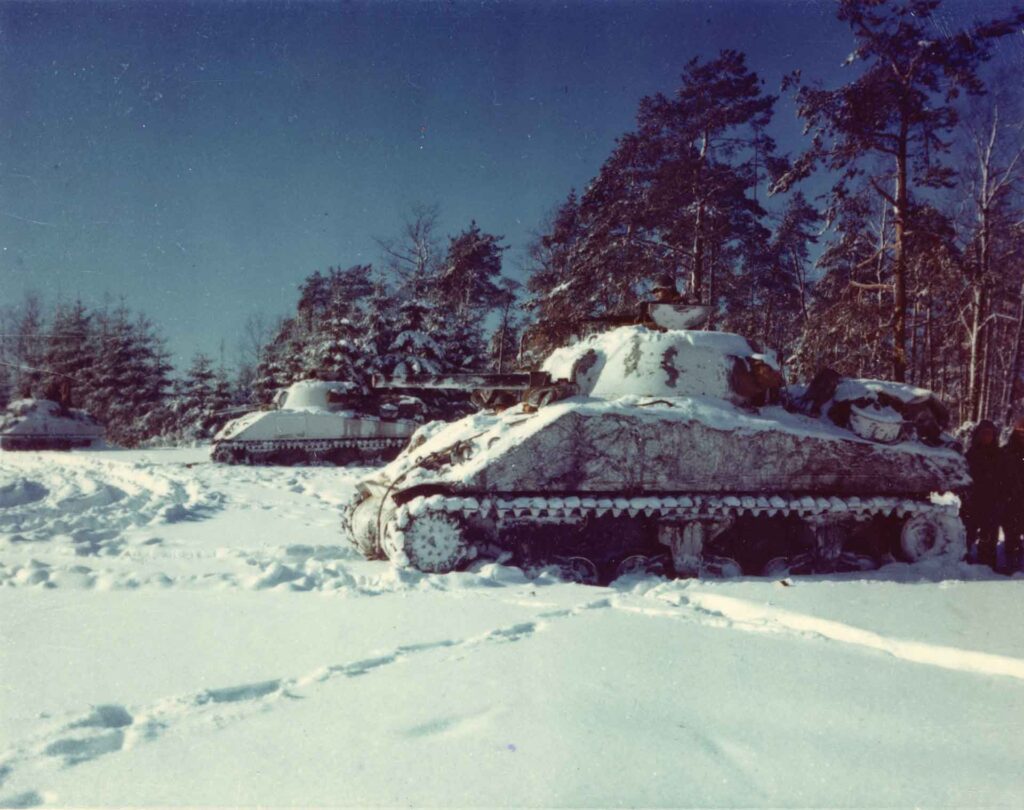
(107, 716)
(75, 750)
(234, 694)
(29, 799)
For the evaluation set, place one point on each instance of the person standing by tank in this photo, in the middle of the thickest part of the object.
(1013, 508)
(983, 510)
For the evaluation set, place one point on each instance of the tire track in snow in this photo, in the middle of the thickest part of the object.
(113, 728)
(728, 612)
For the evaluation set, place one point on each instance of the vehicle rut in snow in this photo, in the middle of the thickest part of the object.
(91, 501)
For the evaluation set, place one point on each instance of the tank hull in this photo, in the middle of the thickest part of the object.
(690, 485)
(310, 436)
(44, 425)
(45, 442)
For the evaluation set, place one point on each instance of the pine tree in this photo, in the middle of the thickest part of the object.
(413, 350)
(273, 372)
(28, 348)
(770, 301)
(335, 353)
(677, 196)
(129, 380)
(199, 400)
(465, 290)
(469, 279)
(376, 329)
(898, 115)
(67, 357)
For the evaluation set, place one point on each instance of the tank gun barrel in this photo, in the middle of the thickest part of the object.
(515, 381)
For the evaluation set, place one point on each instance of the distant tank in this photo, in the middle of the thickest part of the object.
(646, 449)
(42, 424)
(315, 421)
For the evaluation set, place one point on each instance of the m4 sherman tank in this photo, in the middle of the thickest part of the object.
(41, 424)
(320, 421)
(666, 456)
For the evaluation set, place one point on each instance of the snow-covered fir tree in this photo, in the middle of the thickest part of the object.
(413, 350)
(200, 400)
(69, 353)
(376, 329)
(129, 380)
(466, 288)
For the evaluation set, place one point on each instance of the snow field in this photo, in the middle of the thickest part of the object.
(218, 645)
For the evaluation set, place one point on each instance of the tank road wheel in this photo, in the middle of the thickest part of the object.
(579, 569)
(640, 565)
(632, 566)
(931, 536)
(434, 543)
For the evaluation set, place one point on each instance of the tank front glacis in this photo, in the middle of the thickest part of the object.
(317, 421)
(41, 424)
(666, 460)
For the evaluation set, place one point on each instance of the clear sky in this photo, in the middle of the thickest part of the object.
(200, 159)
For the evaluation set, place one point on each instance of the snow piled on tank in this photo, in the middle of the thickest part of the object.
(312, 394)
(485, 437)
(44, 417)
(850, 389)
(633, 360)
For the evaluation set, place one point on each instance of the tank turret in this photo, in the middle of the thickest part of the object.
(663, 450)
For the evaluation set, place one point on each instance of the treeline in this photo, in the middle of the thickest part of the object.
(890, 245)
(908, 265)
(113, 363)
(427, 313)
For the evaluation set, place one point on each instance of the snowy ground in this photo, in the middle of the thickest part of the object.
(178, 633)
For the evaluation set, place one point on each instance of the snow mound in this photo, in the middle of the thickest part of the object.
(852, 389)
(20, 492)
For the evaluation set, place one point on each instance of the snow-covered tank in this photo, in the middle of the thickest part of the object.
(666, 457)
(42, 424)
(320, 421)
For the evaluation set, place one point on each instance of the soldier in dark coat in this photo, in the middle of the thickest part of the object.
(983, 510)
(1013, 512)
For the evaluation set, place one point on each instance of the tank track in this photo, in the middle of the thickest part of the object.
(684, 507)
(436, 532)
(298, 450)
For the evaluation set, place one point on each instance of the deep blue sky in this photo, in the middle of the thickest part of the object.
(201, 159)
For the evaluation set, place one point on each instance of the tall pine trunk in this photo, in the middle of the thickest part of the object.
(899, 265)
(1014, 367)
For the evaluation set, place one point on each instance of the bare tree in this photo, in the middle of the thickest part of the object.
(414, 256)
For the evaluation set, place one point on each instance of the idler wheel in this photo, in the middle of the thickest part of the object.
(434, 543)
(930, 536)
(229, 455)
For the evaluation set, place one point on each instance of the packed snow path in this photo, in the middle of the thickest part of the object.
(176, 632)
